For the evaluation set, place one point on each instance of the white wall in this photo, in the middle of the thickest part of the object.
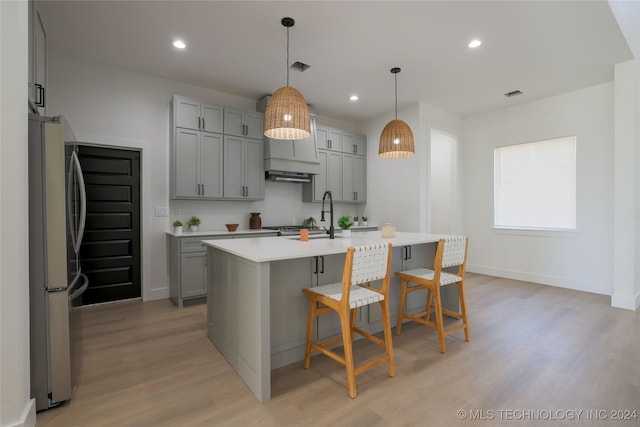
(580, 260)
(110, 106)
(444, 189)
(399, 189)
(16, 407)
(626, 293)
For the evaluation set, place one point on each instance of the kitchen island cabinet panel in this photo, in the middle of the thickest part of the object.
(270, 273)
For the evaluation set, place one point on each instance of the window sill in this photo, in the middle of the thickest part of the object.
(536, 232)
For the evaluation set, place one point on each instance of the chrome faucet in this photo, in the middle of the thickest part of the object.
(331, 230)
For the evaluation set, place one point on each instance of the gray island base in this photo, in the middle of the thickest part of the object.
(256, 312)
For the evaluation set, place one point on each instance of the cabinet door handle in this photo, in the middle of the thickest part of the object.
(322, 268)
(203, 189)
(316, 260)
(355, 149)
(199, 125)
(203, 123)
(40, 95)
(409, 251)
(355, 195)
(329, 143)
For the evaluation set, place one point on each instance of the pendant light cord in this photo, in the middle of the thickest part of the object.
(287, 64)
(396, 81)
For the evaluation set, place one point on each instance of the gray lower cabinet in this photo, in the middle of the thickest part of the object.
(188, 265)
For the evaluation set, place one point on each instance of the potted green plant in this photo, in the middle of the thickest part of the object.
(344, 222)
(364, 220)
(309, 223)
(356, 221)
(194, 223)
(177, 226)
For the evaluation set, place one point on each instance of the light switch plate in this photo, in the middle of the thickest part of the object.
(162, 212)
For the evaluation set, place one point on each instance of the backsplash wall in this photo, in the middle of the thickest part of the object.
(282, 205)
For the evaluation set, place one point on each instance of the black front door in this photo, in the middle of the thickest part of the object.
(110, 251)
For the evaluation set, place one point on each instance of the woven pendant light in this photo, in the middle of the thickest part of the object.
(396, 140)
(287, 114)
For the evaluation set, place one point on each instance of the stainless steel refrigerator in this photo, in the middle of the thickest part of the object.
(57, 214)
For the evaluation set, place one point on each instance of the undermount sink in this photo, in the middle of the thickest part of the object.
(313, 237)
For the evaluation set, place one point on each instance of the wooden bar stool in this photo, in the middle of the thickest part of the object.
(451, 252)
(363, 264)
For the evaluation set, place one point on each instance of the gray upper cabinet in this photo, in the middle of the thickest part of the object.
(243, 123)
(37, 60)
(354, 144)
(341, 170)
(354, 178)
(197, 158)
(197, 151)
(244, 170)
(329, 178)
(192, 114)
(329, 138)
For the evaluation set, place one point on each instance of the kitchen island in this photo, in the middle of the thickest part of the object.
(256, 314)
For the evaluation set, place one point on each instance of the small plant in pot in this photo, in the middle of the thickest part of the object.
(356, 221)
(364, 220)
(344, 222)
(177, 226)
(194, 223)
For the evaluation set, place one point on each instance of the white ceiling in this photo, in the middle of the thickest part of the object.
(541, 48)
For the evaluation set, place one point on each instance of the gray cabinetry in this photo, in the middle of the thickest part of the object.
(354, 178)
(243, 168)
(197, 162)
(354, 143)
(196, 150)
(329, 138)
(341, 170)
(329, 178)
(188, 265)
(37, 60)
(243, 123)
(192, 114)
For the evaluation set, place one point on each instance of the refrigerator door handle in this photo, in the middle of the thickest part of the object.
(77, 234)
(76, 293)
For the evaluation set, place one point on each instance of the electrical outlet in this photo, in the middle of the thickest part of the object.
(162, 212)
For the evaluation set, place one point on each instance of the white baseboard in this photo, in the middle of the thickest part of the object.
(626, 302)
(28, 418)
(558, 281)
(154, 294)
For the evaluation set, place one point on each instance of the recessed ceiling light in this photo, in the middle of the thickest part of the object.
(179, 44)
(474, 43)
(353, 97)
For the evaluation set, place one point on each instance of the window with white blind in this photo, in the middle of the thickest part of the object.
(535, 185)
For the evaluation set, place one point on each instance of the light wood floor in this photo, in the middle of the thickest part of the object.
(535, 350)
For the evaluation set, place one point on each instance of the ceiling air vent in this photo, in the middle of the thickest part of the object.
(512, 93)
(299, 66)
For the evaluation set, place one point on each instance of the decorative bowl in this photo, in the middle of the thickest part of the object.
(232, 227)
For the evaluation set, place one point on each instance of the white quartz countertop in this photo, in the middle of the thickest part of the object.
(265, 249)
(201, 233)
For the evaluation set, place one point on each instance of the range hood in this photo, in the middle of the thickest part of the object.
(282, 176)
(290, 161)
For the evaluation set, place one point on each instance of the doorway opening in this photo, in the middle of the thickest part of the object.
(110, 254)
(445, 194)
